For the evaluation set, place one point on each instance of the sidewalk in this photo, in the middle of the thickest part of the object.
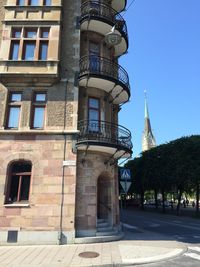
(137, 247)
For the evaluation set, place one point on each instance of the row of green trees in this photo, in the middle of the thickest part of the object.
(170, 167)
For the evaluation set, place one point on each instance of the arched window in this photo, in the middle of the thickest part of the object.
(18, 184)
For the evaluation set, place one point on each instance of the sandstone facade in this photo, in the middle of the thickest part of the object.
(48, 216)
(58, 179)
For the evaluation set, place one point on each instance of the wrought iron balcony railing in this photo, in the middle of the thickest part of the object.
(100, 66)
(104, 132)
(97, 10)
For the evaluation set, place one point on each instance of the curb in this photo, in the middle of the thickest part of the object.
(142, 261)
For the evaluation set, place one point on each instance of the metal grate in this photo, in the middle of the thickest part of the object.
(88, 254)
(12, 236)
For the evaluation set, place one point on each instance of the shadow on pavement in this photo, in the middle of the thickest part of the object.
(152, 225)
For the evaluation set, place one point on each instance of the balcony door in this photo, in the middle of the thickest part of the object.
(94, 53)
(94, 7)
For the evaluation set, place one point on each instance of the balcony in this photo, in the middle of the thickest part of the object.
(106, 75)
(104, 137)
(28, 73)
(119, 5)
(98, 17)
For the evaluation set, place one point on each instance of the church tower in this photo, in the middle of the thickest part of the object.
(148, 140)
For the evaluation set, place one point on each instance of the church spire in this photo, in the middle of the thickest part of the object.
(146, 112)
(148, 140)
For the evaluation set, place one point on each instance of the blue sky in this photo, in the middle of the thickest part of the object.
(164, 59)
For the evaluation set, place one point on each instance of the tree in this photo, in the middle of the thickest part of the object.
(138, 182)
(172, 165)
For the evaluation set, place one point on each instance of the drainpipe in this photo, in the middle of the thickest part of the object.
(63, 172)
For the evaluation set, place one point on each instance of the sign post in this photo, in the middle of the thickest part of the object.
(125, 181)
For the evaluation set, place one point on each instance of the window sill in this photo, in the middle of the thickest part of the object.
(17, 205)
(11, 128)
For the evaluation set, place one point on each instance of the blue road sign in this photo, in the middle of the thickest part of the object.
(125, 174)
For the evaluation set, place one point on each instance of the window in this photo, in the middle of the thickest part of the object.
(14, 51)
(47, 2)
(14, 107)
(44, 32)
(20, 2)
(16, 97)
(29, 46)
(94, 114)
(18, 184)
(43, 50)
(15, 43)
(29, 50)
(39, 104)
(94, 51)
(30, 33)
(33, 42)
(16, 33)
(33, 2)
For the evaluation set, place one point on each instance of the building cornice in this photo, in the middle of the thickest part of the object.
(38, 132)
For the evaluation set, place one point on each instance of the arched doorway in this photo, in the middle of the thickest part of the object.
(104, 198)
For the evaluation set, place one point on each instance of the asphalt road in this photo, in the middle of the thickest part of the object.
(181, 229)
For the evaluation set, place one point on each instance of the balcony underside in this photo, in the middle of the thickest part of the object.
(119, 5)
(119, 93)
(103, 27)
(112, 149)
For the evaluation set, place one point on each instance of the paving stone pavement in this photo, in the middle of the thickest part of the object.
(135, 248)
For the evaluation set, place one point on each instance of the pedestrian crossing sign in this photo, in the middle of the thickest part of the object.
(125, 174)
(125, 179)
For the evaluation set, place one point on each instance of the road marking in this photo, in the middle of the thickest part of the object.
(195, 248)
(178, 224)
(178, 237)
(154, 225)
(192, 255)
(129, 226)
(175, 221)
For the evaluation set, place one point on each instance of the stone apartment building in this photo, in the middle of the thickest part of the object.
(61, 89)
